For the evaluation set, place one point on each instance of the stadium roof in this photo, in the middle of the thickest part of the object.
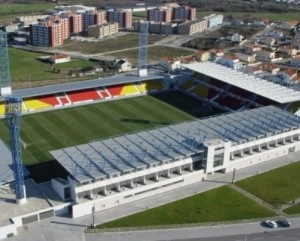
(105, 158)
(87, 84)
(267, 89)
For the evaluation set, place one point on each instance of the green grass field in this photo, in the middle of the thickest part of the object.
(56, 129)
(276, 187)
(155, 53)
(220, 204)
(107, 45)
(295, 209)
(270, 16)
(23, 62)
(9, 11)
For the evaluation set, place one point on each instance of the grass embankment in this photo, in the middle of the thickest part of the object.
(221, 204)
(276, 187)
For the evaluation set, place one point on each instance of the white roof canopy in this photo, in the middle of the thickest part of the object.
(272, 91)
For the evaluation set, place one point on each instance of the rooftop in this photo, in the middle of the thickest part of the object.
(272, 91)
(118, 155)
(87, 84)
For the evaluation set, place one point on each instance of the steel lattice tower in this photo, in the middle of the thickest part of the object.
(143, 48)
(13, 116)
(5, 88)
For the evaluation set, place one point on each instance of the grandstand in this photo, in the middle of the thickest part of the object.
(111, 172)
(49, 97)
(233, 90)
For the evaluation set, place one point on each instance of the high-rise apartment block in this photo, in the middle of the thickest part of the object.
(159, 15)
(46, 33)
(76, 25)
(93, 17)
(123, 18)
(184, 13)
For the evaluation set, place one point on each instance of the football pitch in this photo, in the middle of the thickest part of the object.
(45, 131)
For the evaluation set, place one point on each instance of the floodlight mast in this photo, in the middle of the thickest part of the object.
(5, 87)
(143, 49)
(13, 115)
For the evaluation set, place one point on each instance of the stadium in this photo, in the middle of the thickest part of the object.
(236, 121)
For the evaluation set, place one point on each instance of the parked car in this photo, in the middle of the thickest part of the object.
(271, 223)
(284, 223)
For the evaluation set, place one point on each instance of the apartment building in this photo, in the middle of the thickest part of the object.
(93, 17)
(76, 23)
(160, 15)
(123, 18)
(101, 31)
(192, 27)
(46, 33)
(184, 13)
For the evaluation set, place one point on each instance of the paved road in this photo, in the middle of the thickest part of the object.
(62, 228)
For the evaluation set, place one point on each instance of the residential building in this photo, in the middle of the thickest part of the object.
(123, 18)
(248, 58)
(202, 55)
(234, 37)
(295, 62)
(159, 15)
(184, 13)
(265, 55)
(25, 21)
(65, 24)
(270, 68)
(93, 17)
(268, 41)
(168, 28)
(170, 64)
(250, 48)
(155, 27)
(46, 33)
(214, 20)
(76, 23)
(230, 61)
(192, 27)
(103, 30)
(121, 65)
(287, 50)
(275, 33)
(59, 58)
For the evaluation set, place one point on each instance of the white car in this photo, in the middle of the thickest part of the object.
(271, 224)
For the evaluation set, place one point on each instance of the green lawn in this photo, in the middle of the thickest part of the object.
(295, 209)
(220, 204)
(276, 187)
(155, 53)
(23, 62)
(271, 16)
(110, 44)
(56, 129)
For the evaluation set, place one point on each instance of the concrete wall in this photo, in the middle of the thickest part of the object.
(257, 158)
(134, 194)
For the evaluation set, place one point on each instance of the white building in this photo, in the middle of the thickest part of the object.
(214, 20)
(108, 173)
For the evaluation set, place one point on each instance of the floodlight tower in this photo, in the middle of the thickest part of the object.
(13, 116)
(5, 87)
(143, 49)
